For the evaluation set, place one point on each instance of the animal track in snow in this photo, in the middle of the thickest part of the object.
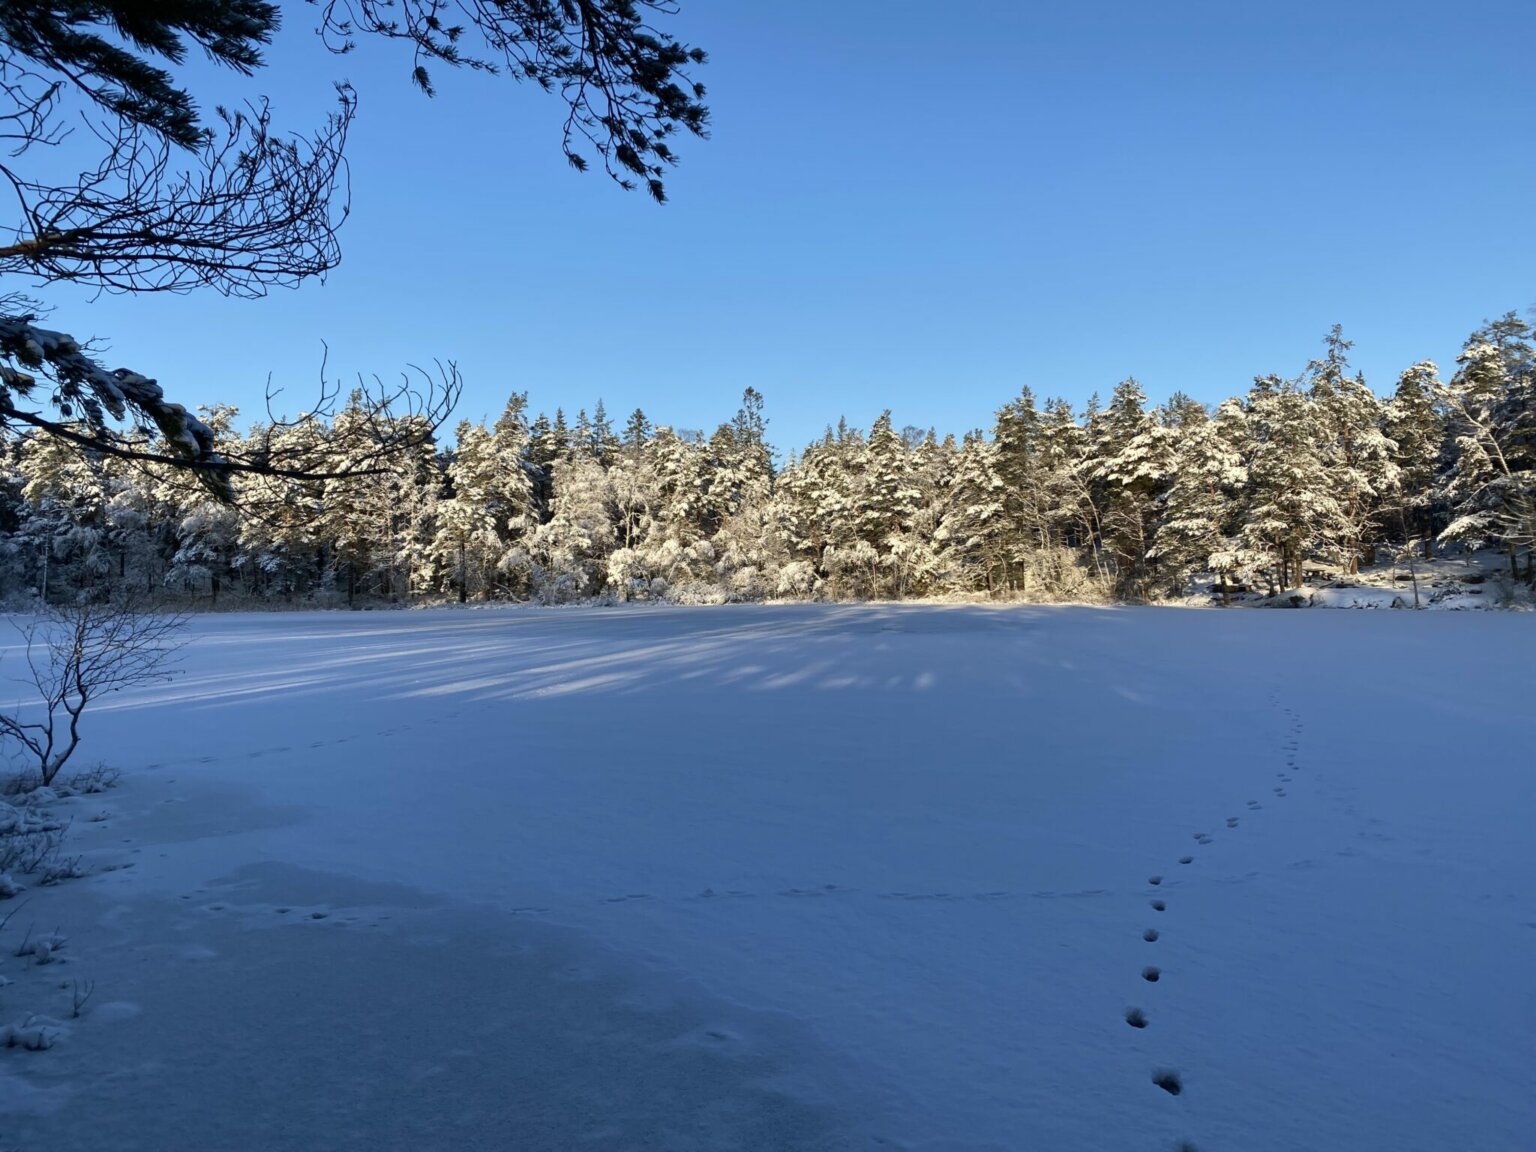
(1154, 879)
(1167, 1079)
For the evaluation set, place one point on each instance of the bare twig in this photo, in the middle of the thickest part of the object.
(75, 655)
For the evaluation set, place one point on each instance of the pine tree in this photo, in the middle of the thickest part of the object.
(1208, 476)
(171, 203)
(749, 546)
(1016, 436)
(637, 430)
(1291, 511)
(1133, 465)
(66, 494)
(888, 500)
(1362, 475)
(1415, 425)
(974, 529)
(1492, 406)
(1182, 412)
(542, 451)
(602, 444)
(576, 542)
(467, 546)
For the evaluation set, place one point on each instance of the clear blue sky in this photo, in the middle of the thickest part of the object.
(914, 206)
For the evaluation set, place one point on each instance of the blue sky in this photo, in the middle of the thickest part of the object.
(914, 206)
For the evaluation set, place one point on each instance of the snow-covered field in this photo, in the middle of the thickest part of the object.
(800, 878)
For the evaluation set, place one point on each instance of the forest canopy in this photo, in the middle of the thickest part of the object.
(1122, 500)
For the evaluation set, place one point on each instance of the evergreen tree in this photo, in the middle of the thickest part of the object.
(1016, 435)
(1415, 425)
(1291, 512)
(887, 501)
(1209, 475)
(169, 203)
(1132, 467)
(1492, 406)
(1362, 475)
(467, 545)
(974, 529)
(637, 430)
(575, 544)
(602, 444)
(541, 447)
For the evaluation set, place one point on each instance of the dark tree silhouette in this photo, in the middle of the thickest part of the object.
(176, 203)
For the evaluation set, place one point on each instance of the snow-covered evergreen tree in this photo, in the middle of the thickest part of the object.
(1209, 474)
(1049, 506)
(973, 529)
(1133, 466)
(1492, 406)
(1291, 510)
(1362, 474)
(1415, 425)
(574, 545)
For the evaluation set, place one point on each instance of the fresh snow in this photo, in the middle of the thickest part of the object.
(804, 877)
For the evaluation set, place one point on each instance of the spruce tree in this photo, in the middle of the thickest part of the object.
(1492, 406)
(1208, 476)
(1292, 512)
(1132, 466)
(1415, 425)
(1362, 475)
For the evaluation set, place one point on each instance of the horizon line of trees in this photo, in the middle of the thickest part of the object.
(1122, 500)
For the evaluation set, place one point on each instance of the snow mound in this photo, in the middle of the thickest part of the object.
(33, 1033)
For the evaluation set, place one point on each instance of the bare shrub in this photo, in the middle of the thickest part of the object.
(75, 655)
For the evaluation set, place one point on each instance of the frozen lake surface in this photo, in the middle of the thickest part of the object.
(809, 877)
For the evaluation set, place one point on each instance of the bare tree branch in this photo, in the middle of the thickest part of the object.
(251, 211)
(79, 653)
(625, 82)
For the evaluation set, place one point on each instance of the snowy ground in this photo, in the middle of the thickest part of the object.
(1453, 581)
(801, 878)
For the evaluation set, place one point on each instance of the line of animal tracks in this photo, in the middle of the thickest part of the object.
(1165, 918)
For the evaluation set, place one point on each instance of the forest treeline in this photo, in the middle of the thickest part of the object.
(1122, 500)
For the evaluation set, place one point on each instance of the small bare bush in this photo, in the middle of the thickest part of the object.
(29, 851)
(77, 654)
